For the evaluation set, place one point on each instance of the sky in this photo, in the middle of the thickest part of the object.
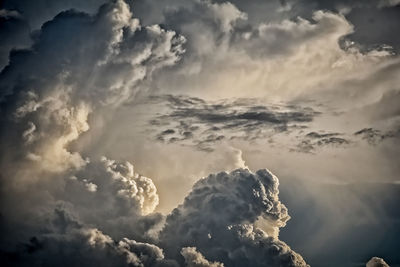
(200, 133)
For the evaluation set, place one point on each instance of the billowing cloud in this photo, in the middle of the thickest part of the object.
(263, 80)
(71, 243)
(219, 217)
(79, 64)
(126, 198)
(193, 258)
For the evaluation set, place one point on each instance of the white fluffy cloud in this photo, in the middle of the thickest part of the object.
(112, 196)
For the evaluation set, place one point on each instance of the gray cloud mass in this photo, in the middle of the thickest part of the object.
(219, 217)
(199, 88)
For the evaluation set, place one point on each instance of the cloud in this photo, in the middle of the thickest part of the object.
(127, 198)
(376, 262)
(218, 218)
(48, 10)
(313, 140)
(72, 243)
(203, 123)
(107, 60)
(193, 258)
(14, 34)
(193, 121)
(103, 194)
(375, 137)
(79, 65)
(200, 123)
(79, 69)
(278, 59)
(384, 108)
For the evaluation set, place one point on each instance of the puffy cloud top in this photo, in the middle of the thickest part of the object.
(119, 181)
(193, 258)
(78, 65)
(376, 262)
(218, 218)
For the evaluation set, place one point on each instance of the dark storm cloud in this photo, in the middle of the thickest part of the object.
(105, 195)
(81, 64)
(204, 123)
(67, 242)
(49, 9)
(374, 21)
(14, 34)
(74, 209)
(219, 218)
(375, 26)
(78, 64)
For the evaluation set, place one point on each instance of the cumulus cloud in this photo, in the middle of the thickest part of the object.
(81, 67)
(105, 66)
(126, 198)
(193, 258)
(71, 243)
(376, 262)
(218, 218)
(78, 65)
(254, 58)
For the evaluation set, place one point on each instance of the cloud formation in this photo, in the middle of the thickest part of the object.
(14, 33)
(376, 262)
(193, 258)
(71, 243)
(65, 74)
(79, 64)
(219, 217)
(194, 121)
